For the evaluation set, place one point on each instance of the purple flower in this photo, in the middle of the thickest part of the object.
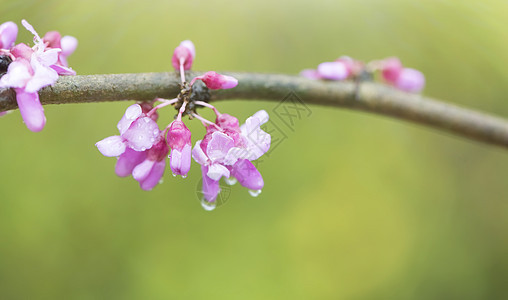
(228, 152)
(215, 81)
(8, 34)
(335, 70)
(410, 80)
(179, 140)
(184, 55)
(149, 172)
(340, 69)
(137, 131)
(406, 79)
(67, 44)
(31, 70)
(140, 142)
(391, 68)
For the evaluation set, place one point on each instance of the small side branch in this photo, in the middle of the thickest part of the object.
(366, 96)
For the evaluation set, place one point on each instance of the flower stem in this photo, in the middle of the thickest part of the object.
(165, 103)
(205, 121)
(202, 103)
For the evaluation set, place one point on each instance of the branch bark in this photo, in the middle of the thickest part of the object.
(366, 96)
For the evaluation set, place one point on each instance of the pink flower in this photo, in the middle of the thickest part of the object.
(216, 81)
(31, 70)
(335, 70)
(406, 79)
(179, 140)
(137, 131)
(410, 80)
(8, 34)
(340, 69)
(149, 172)
(67, 44)
(140, 143)
(391, 68)
(228, 153)
(184, 55)
(27, 79)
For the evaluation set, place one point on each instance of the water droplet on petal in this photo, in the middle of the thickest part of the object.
(156, 131)
(254, 193)
(208, 206)
(230, 180)
(184, 176)
(174, 175)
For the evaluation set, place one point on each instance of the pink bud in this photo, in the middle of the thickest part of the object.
(410, 80)
(178, 135)
(333, 70)
(216, 81)
(179, 140)
(8, 34)
(69, 45)
(22, 51)
(226, 121)
(391, 69)
(53, 39)
(189, 45)
(185, 54)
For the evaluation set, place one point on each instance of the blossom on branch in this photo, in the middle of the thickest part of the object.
(32, 69)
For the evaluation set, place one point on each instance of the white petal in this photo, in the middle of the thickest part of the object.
(216, 171)
(198, 154)
(111, 146)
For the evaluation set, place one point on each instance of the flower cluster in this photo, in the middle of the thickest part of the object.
(29, 69)
(227, 149)
(391, 69)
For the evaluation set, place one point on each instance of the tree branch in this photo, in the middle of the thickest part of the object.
(366, 96)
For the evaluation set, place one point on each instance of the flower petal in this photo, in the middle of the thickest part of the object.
(216, 171)
(141, 171)
(69, 45)
(219, 146)
(61, 70)
(31, 110)
(410, 80)
(18, 74)
(210, 187)
(333, 70)
(142, 134)
(198, 154)
(180, 161)
(247, 174)
(8, 34)
(128, 161)
(112, 146)
(131, 113)
(154, 177)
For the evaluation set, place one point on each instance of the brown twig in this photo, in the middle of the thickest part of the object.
(368, 96)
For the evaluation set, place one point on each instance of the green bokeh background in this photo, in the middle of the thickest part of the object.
(355, 206)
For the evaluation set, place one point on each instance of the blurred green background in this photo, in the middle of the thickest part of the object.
(355, 206)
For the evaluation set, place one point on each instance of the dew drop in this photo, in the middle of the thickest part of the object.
(174, 175)
(254, 193)
(161, 181)
(208, 206)
(230, 180)
(184, 176)
(156, 131)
